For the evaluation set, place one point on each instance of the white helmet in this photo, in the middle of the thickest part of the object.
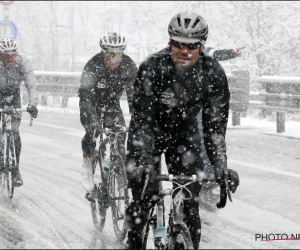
(8, 44)
(113, 41)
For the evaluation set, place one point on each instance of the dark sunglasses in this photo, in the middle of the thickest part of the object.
(113, 54)
(190, 46)
(10, 53)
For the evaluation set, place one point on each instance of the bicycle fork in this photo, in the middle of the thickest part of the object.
(160, 232)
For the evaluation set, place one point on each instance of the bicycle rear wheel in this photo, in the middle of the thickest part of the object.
(98, 208)
(119, 194)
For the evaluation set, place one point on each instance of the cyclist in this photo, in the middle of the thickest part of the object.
(169, 91)
(14, 69)
(103, 80)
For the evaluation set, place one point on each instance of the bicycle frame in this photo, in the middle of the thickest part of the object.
(113, 153)
(8, 154)
(104, 195)
(165, 237)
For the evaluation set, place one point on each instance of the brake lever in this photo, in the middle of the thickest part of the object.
(227, 185)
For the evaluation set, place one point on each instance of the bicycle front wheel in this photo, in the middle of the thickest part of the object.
(98, 208)
(148, 234)
(3, 172)
(8, 163)
(181, 239)
(119, 197)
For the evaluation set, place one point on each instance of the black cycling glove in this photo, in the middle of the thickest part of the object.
(32, 110)
(233, 178)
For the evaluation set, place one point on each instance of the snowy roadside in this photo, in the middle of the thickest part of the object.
(265, 126)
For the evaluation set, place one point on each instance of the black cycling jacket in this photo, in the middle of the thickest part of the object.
(102, 88)
(165, 102)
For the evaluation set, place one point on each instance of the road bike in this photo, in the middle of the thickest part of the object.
(110, 182)
(156, 235)
(8, 161)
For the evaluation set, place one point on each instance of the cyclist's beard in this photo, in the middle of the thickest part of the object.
(9, 63)
(183, 67)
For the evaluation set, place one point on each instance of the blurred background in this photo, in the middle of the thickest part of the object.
(64, 35)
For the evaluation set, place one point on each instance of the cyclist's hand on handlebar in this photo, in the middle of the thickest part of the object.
(139, 174)
(32, 110)
(233, 178)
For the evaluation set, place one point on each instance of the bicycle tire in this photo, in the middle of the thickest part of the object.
(98, 209)
(119, 222)
(12, 163)
(148, 233)
(3, 177)
(2, 165)
(8, 160)
(182, 238)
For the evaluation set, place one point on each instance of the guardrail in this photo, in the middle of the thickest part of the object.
(66, 84)
(280, 94)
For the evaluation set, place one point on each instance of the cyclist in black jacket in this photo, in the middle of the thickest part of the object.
(103, 80)
(169, 91)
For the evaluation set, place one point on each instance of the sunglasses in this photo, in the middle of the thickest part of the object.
(11, 53)
(190, 46)
(113, 54)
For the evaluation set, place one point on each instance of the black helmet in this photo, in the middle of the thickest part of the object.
(188, 27)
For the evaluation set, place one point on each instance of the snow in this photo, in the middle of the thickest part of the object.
(265, 126)
(56, 73)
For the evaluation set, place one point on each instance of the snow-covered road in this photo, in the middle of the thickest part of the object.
(50, 210)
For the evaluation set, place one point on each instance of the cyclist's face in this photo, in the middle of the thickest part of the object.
(185, 58)
(113, 60)
(9, 58)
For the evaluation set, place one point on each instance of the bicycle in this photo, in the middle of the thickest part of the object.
(176, 236)
(109, 182)
(8, 159)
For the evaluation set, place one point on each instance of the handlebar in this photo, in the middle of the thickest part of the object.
(11, 110)
(201, 177)
(116, 128)
(186, 178)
